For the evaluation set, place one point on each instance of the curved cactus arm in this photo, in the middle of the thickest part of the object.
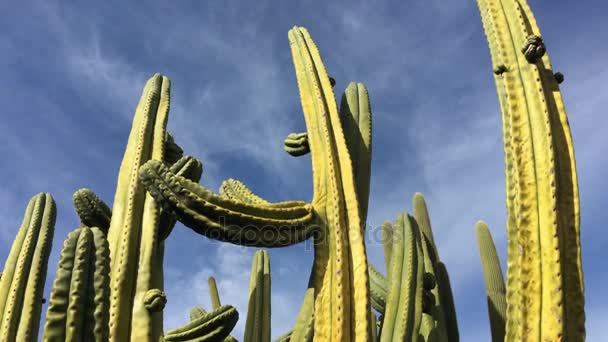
(257, 326)
(236, 190)
(542, 190)
(92, 210)
(378, 289)
(187, 167)
(341, 281)
(24, 273)
(173, 152)
(80, 298)
(296, 144)
(224, 219)
(356, 118)
(447, 301)
(212, 326)
(403, 313)
(135, 247)
(495, 284)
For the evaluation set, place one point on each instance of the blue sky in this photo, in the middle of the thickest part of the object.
(72, 77)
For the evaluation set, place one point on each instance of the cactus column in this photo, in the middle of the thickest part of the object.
(24, 273)
(135, 248)
(544, 272)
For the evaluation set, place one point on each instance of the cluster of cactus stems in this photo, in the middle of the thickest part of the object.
(109, 283)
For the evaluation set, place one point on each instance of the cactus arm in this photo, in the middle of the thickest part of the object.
(285, 337)
(356, 118)
(187, 167)
(447, 301)
(404, 303)
(236, 190)
(136, 252)
(296, 144)
(340, 264)
(545, 207)
(25, 271)
(224, 219)
(495, 284)
(92, 210)
(213, 326)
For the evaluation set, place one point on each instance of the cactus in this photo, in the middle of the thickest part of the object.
(157, 185)
(257, 326)
(80, 299)
(495, 284)
(296, 144)
(544, 274)
(135, 248)
(403, 313)
(92, 210)
(24, 273)
(210, 326)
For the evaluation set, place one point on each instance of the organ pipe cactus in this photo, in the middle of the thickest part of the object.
(80, 298)
(544, 273)
(495, 284)
(541, 300)
(257, 326)
(24, 272)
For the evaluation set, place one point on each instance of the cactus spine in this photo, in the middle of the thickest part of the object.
(544, 273)
(495, 284)
(24, 273)
(80, 299)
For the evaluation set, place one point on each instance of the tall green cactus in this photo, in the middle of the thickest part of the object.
(80, 299)
(495, 283)
(24, 273)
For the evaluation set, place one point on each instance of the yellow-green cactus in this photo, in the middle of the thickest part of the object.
(92, 210)
(206, 327)
(544, 272)
(80, 298)
(257, 326)
(495, 283)
(135, 247)
(24, 272)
